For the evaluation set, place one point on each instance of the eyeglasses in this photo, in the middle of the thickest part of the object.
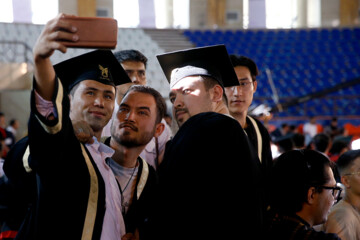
(336, 191)
(353, 173)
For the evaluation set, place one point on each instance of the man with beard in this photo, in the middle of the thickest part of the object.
(135, 63)
(137, 121)
(209, 180)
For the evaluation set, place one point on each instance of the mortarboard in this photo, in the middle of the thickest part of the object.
(98, 65)
(212, 61)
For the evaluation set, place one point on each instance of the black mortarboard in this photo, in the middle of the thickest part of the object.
(212, 61)
(98, 65)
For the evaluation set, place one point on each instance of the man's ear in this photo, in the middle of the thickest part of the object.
(345, 180)
(311, 196)
(159, 129)
(255, 86)
(217, 93)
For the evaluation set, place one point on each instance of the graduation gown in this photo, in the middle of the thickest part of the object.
(70, 197)
(18, 191)
(265, 151)
(210, 182)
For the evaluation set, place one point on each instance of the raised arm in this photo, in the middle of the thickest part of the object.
(55, 31)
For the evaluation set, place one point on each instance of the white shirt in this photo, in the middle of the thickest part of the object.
(310, 129)
(113, 224)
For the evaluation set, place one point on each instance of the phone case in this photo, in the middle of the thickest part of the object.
(94, 32)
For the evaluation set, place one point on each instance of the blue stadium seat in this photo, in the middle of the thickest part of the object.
(302, 61)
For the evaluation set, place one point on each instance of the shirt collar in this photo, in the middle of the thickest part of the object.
(101, 147)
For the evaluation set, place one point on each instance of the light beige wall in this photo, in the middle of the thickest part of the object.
(106, 4)
(86, 7)
(68, 7)
(330, 12)
(198, 14)
(237, 6)
(205, 15)
(302, 13)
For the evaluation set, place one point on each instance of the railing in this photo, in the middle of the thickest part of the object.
(352, 102)
(15, 52)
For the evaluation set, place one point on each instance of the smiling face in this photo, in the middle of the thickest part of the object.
(240, 97)
(189, 97)
(92, 102)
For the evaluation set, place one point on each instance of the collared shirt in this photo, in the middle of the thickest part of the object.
(113, 224)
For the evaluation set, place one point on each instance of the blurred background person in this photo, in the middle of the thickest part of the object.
(303, 189)
(344, 217)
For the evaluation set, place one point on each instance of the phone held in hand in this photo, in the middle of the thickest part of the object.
(93, 32)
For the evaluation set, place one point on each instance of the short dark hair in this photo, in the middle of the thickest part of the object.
(294, 172)
(321, 141)
(130, 55)
(346, 160)
(298, 140)
(159, 100)
(246, 62)
(12, 121)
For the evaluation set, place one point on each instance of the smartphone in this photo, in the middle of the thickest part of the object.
(94, 32)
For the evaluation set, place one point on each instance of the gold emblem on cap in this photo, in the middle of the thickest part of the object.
(104, 72)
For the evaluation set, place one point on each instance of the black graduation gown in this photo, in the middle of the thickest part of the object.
(17, 191)
(267, 160)
(210, 182)
(70, 197)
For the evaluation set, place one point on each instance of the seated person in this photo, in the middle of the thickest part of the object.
(344, 217)
(303, 191)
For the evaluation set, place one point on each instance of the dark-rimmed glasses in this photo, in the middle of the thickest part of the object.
(336, 191)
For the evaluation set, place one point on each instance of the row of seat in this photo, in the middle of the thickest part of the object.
(294, 34)
(301, 62)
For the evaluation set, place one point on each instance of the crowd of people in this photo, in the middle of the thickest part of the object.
(100, 160)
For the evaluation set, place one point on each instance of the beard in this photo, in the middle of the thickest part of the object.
(127, 139)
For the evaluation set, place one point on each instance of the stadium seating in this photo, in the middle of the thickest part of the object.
(302, 62)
